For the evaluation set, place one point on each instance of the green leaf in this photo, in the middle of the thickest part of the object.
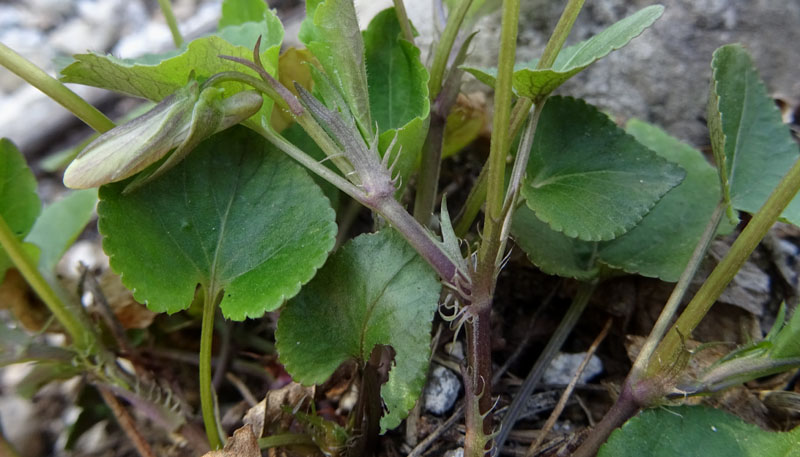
(19, 203)
(156, 81)
(553, 252)
(533, 83)
(662, 243)
(697, 431)
(333, 36)
(786, 343)
(374, 290)
(60, 225)
(753, 146)
(235, 12)
(398, 91)
(236, 215)
(298, 137)
(587, 178)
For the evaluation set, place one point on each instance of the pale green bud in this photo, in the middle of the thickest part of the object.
(179, 122)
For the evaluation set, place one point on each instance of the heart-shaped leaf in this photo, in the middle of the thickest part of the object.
(690, 431)
(659, 246)
(587, 178)
(19, 203)
(398, 90)
(235, 215)
(752, 146)
(60, 225)
(533, 83)
(374, 290)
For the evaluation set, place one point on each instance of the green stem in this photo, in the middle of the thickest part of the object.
(402, 18)
(285, 439)
(724, 272)
(445, 45)
(428, 180)
(166, 9)
(54, 89)
(498, 149)
(83, 336)
(477, 195)
(560, 33)
(675, 299)
(207, 403)
(553, 346)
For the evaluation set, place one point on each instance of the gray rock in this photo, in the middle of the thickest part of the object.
(564, 366)
(441, 391)
(663, 75)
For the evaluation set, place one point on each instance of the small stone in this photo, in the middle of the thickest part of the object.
(564, 366)
(441, 391)
(457, 452)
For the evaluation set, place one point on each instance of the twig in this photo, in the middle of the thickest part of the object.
(88, 283)
(242, 388)
(126, 422)
(430, 439)
(562, 402)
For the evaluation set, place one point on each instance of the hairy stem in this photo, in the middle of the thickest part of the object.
(169, 16)
(126, 422)
(624, 408)
(54, 89)
(81, 332)
(478, 381)
(207, 397)
(444, 46)
(553, 346)
(724, 272)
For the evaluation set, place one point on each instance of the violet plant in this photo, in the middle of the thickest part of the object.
(241, 227)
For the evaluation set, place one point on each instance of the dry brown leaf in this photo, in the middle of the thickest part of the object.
(17, 297)
(269, 415)
(242, 444)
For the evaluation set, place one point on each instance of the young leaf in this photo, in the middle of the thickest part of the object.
(19, 203)
(236, 12)
(787, 342)
(533, 83)
(697, 431)
(156, 78)
(60, 224)
(663, 242)
(398, 90)
(587, 178)
(752, 145)
(374, 290)
(234, 216)
(332, 34)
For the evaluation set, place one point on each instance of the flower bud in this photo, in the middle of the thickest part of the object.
(179, 122)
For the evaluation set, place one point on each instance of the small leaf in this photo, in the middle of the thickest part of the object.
(374, 290)
(662, 243)
(398, 91)
(752, 145)
(19, 203)
(464, 124)
(689, 431)
(158, 78)
(236, 12)
(786, 343)
(60, 225)
(235, 215)
(587, 178)
(533, 83)
(332, 34)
